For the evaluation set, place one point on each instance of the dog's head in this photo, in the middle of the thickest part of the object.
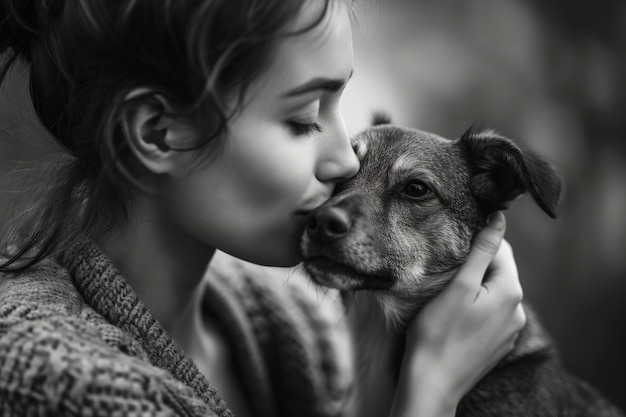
(404, 224)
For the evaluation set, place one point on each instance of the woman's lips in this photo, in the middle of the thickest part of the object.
(313, 202)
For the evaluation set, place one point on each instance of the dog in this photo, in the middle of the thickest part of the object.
(392, 237)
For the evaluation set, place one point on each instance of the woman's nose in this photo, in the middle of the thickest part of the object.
(338, 162)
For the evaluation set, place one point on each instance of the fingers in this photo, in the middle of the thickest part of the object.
(503, 276)
(484, 247)
(520, 318)
(517, 323)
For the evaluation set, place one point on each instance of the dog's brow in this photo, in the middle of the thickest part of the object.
(403, 164)
(406, 166)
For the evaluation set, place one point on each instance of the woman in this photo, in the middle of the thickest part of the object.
(194, 126)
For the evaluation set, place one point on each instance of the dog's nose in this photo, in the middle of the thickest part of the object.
(327, 224)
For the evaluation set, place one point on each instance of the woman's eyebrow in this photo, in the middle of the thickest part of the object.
(319, 83)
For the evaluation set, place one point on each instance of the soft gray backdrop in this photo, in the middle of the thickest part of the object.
(551, 73)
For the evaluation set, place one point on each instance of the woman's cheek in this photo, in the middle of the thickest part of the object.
(275, 167)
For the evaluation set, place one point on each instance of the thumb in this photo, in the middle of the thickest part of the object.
(484, 247)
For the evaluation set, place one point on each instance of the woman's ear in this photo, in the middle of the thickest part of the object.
(152, 133)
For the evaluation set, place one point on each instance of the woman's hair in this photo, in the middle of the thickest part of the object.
(86, 56)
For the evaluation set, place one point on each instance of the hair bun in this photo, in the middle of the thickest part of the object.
(19, 25)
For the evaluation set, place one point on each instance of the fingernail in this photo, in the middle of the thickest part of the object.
(497, 220)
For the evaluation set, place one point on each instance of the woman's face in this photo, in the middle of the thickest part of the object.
(283, 153)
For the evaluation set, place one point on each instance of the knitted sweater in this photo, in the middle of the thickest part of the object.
(75, 340)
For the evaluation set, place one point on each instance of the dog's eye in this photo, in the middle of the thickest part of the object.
(417, 189)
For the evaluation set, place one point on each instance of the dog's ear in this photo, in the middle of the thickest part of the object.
(380, 118)
(502, 171)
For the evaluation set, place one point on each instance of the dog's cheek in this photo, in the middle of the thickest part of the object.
(428, 251)
(405, 256)
(410, 279)
(361, 248)
(448, 239)
(454, 242)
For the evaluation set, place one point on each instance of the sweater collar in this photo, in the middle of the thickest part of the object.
(105, 288)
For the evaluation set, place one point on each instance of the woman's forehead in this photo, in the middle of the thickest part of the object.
(323, 52)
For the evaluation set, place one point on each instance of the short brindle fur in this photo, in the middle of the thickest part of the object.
(398, 231)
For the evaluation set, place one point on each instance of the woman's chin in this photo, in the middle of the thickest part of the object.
(281, 256)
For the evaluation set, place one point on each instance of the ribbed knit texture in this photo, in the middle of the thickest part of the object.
(76, 340)
(281, 333)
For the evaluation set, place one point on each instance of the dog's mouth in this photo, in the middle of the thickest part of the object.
(335, 274)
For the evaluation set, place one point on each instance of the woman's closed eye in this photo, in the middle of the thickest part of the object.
(303, 128)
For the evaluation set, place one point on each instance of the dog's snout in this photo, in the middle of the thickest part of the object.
(327, 224)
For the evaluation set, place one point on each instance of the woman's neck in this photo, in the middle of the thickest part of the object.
(162, 263)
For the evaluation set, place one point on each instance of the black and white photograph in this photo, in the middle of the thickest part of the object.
(312, 208)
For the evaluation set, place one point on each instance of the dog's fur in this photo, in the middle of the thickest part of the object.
(394, 235)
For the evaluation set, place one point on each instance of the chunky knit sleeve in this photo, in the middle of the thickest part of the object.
(290, 332)
(60, 357)
(58, 365)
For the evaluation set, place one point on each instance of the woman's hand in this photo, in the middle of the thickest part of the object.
(465, 331)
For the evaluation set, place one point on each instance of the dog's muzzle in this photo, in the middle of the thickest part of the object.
(327, 224)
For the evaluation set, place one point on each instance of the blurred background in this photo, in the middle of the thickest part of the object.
(551, 73)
